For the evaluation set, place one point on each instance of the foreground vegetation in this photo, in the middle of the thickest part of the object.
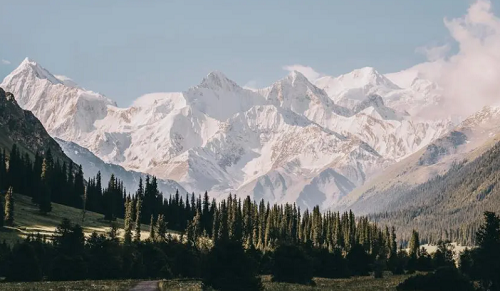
(229, 244)
(112, 285)
(389, 282)
(29, 220)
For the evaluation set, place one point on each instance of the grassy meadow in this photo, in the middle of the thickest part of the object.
(27, 219)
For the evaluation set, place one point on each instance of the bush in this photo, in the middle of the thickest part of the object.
(358, 261)
(330, 265)
(66, 268)
(24, 264)
(292, 265)
(445, 278)
(228, 268)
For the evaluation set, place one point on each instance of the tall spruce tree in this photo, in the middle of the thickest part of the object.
(3, 171)
(487, 255)
(128, 221)
(152, 228)
(2, 214)
(9, 207)
(161, 228)
(138, 209)
(45, 204)
(78, 189)
(414, 244)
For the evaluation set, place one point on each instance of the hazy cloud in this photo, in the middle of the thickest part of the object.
(307, 71)
(5, 62)
(252, 84)
(434, 53)
(470, 78)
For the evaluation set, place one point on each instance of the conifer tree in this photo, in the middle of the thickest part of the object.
(488, 252)
(3, 171)
(414, 244)
(128, 221)
(45, 204)
(138, 208)
(78, 189)
(194, 229)
(161, 228)
(2, 213)
(152, 227)
(37, 174)
(9, 207)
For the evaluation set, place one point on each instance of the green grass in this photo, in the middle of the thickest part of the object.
(111, 285)
(368, 283)
(27, 219)
(389, 282)
(184, 285)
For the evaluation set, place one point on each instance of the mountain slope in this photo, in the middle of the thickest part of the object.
(21, 127)
(411, 91)
(474, 136)
(449, 206)
(289, 142)
(92, 165)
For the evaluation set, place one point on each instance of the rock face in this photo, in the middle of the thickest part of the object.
(289, 142)
(21, 127)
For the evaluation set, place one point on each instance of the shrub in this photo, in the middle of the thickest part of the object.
(445, 278)
(358, 261)
(228, 268)
(292, 265)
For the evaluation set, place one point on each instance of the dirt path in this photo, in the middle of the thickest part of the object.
(146, 286)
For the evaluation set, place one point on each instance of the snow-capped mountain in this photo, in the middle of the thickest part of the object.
(411, 91)
(289, 142)
(93, 164)
(464, 143)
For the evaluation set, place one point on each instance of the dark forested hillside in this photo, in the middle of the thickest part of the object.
(449, 206)
(21, 127)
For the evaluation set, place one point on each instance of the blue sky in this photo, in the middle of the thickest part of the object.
(124, 49)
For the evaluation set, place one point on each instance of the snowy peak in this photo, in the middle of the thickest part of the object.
(63, 110)
(297, 77)
(364, 78)
(218, 81)
(367, 76)
(221, 138)
(31, 69)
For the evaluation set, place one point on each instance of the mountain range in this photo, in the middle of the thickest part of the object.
(297, 140)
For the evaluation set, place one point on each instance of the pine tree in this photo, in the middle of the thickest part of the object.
(3, 171)
(109, 198)
(9, 207)
(37, 174)
(152, 227)
(161, 228)
(128, 221)
(45, 204)
(194, 229)
(78, 189)
(488, 252)
(414, 244)
(138, 208)
(2, 214)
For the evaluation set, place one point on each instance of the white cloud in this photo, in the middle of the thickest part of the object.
(5, 62)
(252, 84)
(307, 71)
(470, 78)
(434, 53)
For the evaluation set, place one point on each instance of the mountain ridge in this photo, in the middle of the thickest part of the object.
(274, 143)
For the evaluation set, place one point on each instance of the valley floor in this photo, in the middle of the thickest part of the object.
(28, 219)
(389, 282)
